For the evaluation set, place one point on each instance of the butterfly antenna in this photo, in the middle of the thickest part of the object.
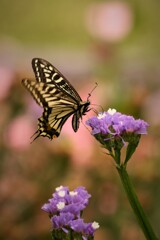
(89, 94)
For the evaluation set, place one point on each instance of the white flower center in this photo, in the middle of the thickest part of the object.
(59, 188)
(61, 193)
(72, 193)
(95, 225)
(101, 115)
(111, 111)
(60, 205)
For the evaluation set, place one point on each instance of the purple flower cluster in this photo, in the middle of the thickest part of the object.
(65, 208)
(114, 123)
(115, 130)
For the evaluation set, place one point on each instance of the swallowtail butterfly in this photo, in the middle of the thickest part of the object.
(52, 91)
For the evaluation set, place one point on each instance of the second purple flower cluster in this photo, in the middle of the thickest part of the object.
(65, 209)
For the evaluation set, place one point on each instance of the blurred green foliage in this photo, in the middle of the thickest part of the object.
(49, 22)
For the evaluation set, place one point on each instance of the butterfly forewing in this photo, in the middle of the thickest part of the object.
(47, 73)
(55, 94)
(46, 95)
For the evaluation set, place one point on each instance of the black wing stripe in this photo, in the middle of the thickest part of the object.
(57, 121)
(55, 77)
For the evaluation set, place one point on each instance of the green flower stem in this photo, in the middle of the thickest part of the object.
(135, 204)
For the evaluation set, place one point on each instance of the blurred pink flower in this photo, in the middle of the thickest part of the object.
(81, 142)
(33, 109)
(6, 79)
(18, 133)
(110, 21)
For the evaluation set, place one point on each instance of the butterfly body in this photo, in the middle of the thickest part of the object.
(56, 95)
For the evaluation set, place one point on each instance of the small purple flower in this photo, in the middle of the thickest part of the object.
(87, 228)
(65, 210)
(79, 196)
(78, 225)
(60, 193)
(74, 209)
(64, 219)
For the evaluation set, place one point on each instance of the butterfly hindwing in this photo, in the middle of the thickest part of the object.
(50, 124)
(59, 99)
